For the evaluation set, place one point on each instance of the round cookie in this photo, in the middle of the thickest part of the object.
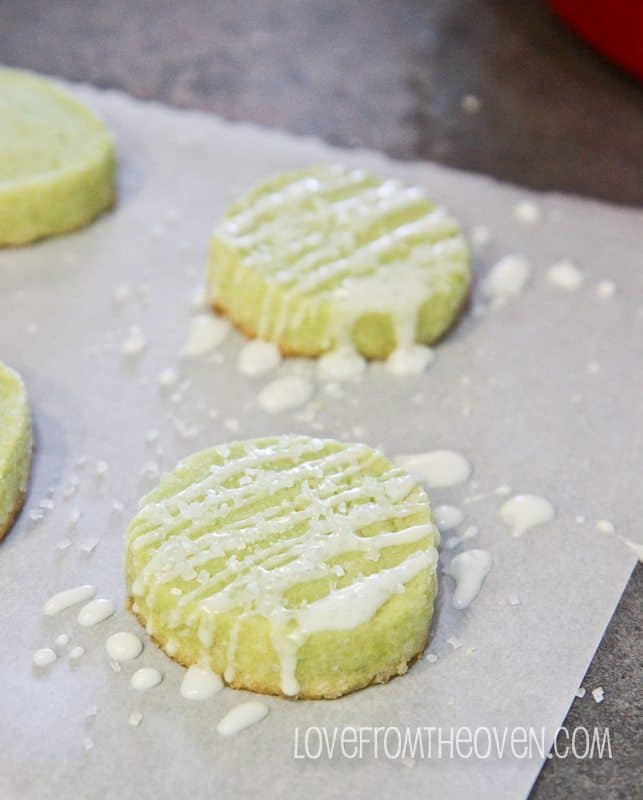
(56, 160)
(15, 446)
(333, 257)
(289, 565)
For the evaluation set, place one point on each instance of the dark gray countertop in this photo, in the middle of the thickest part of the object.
(391, 75)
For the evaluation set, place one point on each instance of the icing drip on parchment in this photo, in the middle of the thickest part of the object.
(525, 511)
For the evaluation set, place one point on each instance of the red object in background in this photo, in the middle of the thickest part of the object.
(615, 27)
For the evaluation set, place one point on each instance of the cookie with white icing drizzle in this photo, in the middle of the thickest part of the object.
(288, 565)
(333, 257)
(15, 446)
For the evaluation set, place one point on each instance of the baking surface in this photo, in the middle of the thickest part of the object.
(539, 420)
(285, 64)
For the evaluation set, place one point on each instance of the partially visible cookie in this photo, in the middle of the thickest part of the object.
(333, 257)
(289, 565)
(57, 161)
(15, 446)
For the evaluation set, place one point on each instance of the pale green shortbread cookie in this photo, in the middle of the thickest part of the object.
(15, 446)
(56, 160)
(288, 565)
(334, 257)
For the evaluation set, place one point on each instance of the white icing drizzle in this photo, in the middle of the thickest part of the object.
(285, 393)
(241, 717)
(123, 646)
(95, 611)
(447, 517)
(437, 468)
(410, 360)
(204, 334)
(353, 605)
(507, 278)
(258, 357)
(565, 275)
(525, 511)
(635, 547)
(468, 570)
(199, 683)
(501, 490)
(607, 527)
(69, 597)
(316, 511)
(44, 657)
(342, 364)
(145, 678)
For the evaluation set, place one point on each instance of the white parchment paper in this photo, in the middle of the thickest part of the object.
(544, 394)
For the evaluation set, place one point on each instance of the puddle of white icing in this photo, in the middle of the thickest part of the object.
(342, 364)
(527, 212)
(469, 569)
(135, 342)
(605, 526)
(285, 393)
(204, 334)
(258, 357)
(199, 683)
(605, 289)
(241, 717)
(410, 360)
(525, 511)
(145, 678)
(506, 278)
(123, 646)
(44, 657)
(447, 517)
(95, 611)
(168, 378)
(62, 600)
(480, 235)
(437, 468)
(565, 275)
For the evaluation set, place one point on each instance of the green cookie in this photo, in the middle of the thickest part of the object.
(15, 446)
(289, 565)
(333, 257)
(57, 160)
